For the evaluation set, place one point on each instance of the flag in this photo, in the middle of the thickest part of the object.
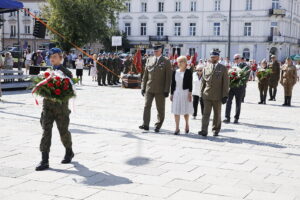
(194, 61)
(137, 61)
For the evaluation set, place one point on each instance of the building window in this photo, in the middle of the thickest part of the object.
(217, 5)
(144, 7)
(275, 4)
(128, 6)
(217, 29)
(246, 53)
(177, 29)
(128, 29)
(143, 29)
(12, 14)
(274, 29)
(247, 29)
(161, 6)
(248, 4)
(160, 29)
(193, 6)
(177, 6)
(26, 13)
(192, 29)
(27, 29)
(13, 30)
(192, 51)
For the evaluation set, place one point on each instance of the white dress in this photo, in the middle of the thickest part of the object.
(181, 104)
(94, 70)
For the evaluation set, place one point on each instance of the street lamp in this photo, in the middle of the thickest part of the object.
(229, 29)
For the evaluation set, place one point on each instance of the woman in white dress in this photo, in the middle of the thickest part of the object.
(94, 68)
(181, 93)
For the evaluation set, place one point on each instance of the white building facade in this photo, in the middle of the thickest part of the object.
(10, 31)
(259, 27)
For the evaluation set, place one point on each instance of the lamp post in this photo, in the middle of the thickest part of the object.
(229, 30)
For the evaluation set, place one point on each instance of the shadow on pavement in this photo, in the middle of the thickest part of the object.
(79, 131)
(266, 127)
(138, 161)
(94, 178)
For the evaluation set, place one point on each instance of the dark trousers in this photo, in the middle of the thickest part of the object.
(244, 93)
(99, 78)
(73, 64)
(238, 93)
(196, 101)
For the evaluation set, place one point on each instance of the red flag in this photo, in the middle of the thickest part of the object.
(194, 61)
(137, 61)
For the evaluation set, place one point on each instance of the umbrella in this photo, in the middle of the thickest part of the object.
(10, 6)
(296, 57)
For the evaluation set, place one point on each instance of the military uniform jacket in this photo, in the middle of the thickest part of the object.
(215, 82)
(157, 75)
(288, 75)
(127, 66)
(275, 76)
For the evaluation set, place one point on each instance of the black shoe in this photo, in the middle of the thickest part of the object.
(271, 99)
(216, 133)
(156, 130)
(203, 133)
(44, 164)
(285, 101)
(104, 84)
(236, 121)
(177, 132)
(68, 157)
(144, 127)
(100, 85)
(227, 121)
(115, 83)
(261, 102)
(110, 84)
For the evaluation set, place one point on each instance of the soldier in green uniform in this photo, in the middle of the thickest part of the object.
(288, 80)
(263, 83)
(104, 71)
(117, 65)
(274, 78)
(214, 92)
(99, 69)
(53, 111)
(127, 65)
(156, 85)
(110, 67)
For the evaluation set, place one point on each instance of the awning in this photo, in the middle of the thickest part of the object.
(10, 6)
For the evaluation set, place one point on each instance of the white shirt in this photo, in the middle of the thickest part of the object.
(79, 64)
(28, 56)
(196, 84)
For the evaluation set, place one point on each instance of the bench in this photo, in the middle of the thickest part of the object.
(13, 79)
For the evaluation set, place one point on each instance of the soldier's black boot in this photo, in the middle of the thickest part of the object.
(274, 94)
(44, 164)
(289, 101)
(261, 99)
(265, 99)
(285, 101)
(68, 157)
(271, 94)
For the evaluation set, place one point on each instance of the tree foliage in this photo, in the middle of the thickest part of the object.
(81, 21)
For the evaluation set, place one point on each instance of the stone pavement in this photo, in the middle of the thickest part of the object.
(259, 159)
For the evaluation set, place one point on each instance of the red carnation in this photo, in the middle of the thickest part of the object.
(46, 74)
(233, 73)
(57, 78)
(58, 83)
(67, 80)
(57, 91)
(66, 88)
(50, 85)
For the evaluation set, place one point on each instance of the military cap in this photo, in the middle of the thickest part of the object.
(54, 51)
(214, 53)
(273, 56)
(157, 47)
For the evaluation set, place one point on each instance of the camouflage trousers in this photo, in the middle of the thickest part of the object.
(60, 114)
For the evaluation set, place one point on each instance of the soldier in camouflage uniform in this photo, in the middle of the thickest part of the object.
(127, 65)
(288, 80)
(117, 63)
(99, 69)
(274, 78)
(104, 71)
(53, 111)
(110, 67)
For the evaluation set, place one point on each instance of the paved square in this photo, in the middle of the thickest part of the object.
(259, 159)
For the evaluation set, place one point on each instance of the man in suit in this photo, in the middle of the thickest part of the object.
(214, 93)
(156, 85)
(274, 78)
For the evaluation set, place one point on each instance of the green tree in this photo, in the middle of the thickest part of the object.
(81, 21)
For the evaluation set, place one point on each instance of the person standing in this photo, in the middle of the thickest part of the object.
(274, 78)
(298, 70)
(94, 68)
(73, 59)
(79, 68)
(237, 93)
(288, 80)
(28, 62)
(263, 83)
(253, 70)
(99, 69)
(58, 112)
(197, 76)
(104, 70)
(156, 85)
(181, 94)
(110, 67)
(214, 92)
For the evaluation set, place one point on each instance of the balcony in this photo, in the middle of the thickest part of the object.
(158, 38)
(277, 12)
(283, 39)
